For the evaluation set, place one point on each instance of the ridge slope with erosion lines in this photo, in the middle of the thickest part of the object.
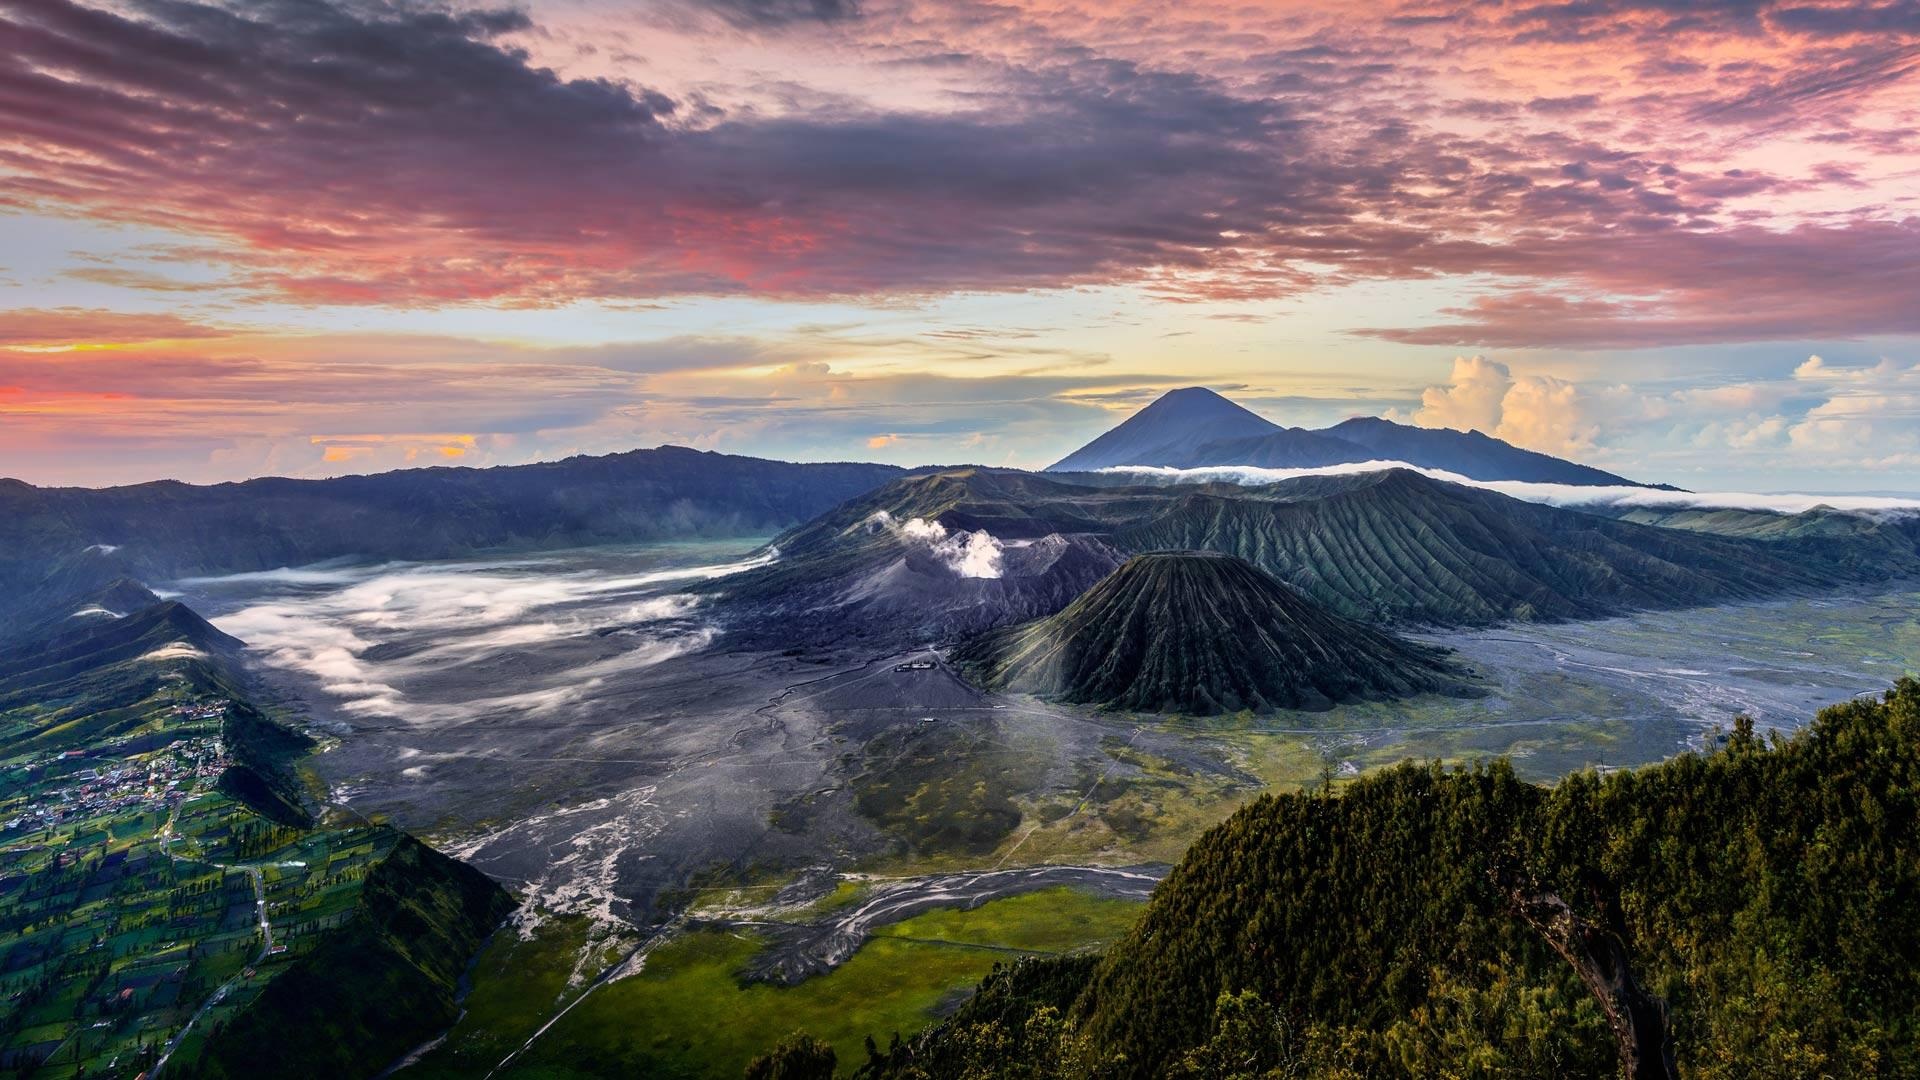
(1396, 546)
(1386, 546)
(1201, 633)
(1888, 542)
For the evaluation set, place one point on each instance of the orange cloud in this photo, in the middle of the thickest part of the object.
(410, 446)
(82, 328)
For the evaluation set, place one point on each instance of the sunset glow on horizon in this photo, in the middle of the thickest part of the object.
(310, 237)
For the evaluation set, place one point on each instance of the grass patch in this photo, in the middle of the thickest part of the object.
(516, 986)
(943, 789)
(688, 1016)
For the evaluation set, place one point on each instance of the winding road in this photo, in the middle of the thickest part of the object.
(254, 875)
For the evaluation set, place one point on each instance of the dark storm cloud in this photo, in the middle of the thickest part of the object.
(778, 13)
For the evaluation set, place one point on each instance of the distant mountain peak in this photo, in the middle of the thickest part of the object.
(1199, 394)
(1195, 427)
(1170, 428)
(1197, 404)
(1471, 453)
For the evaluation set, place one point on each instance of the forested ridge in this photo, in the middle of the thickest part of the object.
(367, 994)
(1764, 897)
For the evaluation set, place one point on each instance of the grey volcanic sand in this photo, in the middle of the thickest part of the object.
(574, 726)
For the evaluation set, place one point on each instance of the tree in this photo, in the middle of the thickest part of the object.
(798, 1057)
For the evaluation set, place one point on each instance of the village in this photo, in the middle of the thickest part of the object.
(140, 905)
(132, 776)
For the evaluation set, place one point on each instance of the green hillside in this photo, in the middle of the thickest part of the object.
(1200, 633)
(1750, 911)
(375, 986)
(162, 876)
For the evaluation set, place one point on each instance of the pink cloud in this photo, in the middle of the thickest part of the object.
(419, 156)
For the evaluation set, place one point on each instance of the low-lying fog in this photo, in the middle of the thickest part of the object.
(434, 643)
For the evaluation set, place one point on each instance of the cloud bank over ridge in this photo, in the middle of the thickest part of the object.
(1569, 495)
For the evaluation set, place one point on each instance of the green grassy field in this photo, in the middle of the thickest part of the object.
(687, 1013)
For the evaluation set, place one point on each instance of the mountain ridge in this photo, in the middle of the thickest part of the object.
(1392, 546)
(166, 529)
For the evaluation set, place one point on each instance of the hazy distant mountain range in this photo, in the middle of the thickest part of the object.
(59, 542)
(942, 553)
(1196, 427)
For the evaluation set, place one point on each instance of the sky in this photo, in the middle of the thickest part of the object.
(1678, 240)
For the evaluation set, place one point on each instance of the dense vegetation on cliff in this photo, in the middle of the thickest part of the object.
(1762, 896)
(1200, 633)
